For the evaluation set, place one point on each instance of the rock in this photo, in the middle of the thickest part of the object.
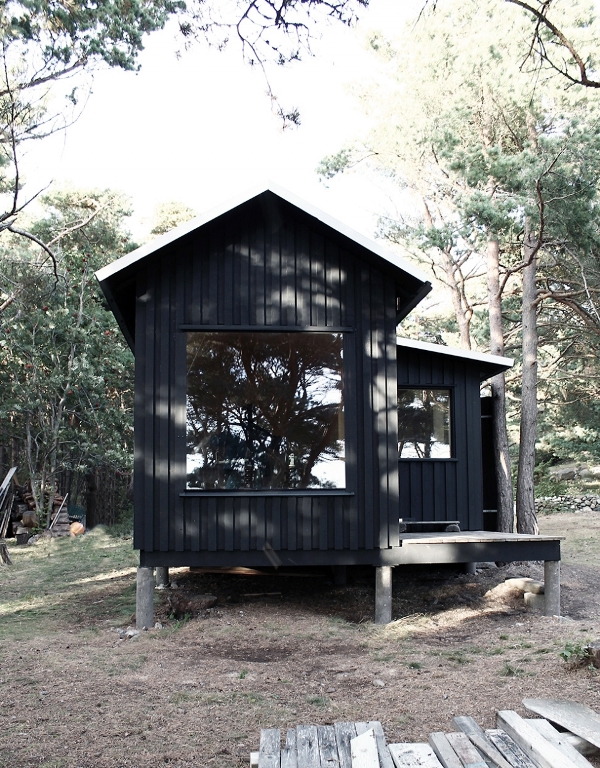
(158, 625)
(379, 683)
(207, 601)
(586, 509)
(565, 474)
(526, 585)
(594, 653)
(535, 602)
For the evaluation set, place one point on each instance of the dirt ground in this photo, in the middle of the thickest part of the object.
(277, 651)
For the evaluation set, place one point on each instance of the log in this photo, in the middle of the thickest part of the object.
(4, 556)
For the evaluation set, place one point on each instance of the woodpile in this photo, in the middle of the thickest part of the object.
(516, 742)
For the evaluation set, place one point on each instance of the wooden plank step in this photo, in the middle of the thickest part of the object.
(327, 746)
(364, 750)
(414, 756)
(477, 735)
(269, 748)
(469, 756)
(344, 733)
(289, 755)
(509, 749)
(385, 759)
(577, 718)
(550, 733)
(443, 750)
(308, 746)
(545, 754)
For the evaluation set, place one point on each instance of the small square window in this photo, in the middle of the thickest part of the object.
(424, 421)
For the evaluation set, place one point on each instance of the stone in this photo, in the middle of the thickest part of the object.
(206, 601)
(586, 509)
(565, 474)
(379, 683)
(594, 653)
(526, 585)
(535, 602)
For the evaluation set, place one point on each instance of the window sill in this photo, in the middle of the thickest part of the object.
(426, 459)
(281, 492)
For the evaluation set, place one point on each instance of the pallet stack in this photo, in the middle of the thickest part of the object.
(516, 743)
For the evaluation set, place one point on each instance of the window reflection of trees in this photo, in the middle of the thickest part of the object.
(264, 410)
(424, 423)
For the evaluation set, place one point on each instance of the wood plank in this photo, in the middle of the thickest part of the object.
(385, 759)
(577, 718)
(253, 759)
(560, 741)
(268, 751)
(444, 751)
(530, 741)
(509, 749)
(469, 755)
(480, 740)
(308, 746)
(364, 750)
(327, 746)
(289, 755)
(344, 733)
(414, 756)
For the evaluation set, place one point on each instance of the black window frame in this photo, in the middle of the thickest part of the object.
(451, 391)
(258, 492)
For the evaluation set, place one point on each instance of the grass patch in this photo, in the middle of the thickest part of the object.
(59, 582)
(317, 701)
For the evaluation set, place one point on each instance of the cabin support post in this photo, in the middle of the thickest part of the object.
(471, 568)
(552, 587)
(144, 598)
(383, 594)
(162, 577)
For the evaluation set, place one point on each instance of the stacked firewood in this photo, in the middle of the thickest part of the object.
(25, 516)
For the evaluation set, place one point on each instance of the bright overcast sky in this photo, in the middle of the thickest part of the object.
(199, 128)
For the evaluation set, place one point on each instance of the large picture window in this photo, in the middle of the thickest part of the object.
(424, 420)
(265, 410)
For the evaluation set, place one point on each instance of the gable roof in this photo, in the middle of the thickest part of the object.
(489, 365)
(112, 277)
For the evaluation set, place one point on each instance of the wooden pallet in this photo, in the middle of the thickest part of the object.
(516, 743)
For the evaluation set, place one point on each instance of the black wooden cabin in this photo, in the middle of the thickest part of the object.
(269, 380)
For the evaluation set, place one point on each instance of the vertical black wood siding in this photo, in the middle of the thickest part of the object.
(445, 489)
(263, 267)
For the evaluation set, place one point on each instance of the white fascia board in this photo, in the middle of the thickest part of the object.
(234, 202)
(467, 354)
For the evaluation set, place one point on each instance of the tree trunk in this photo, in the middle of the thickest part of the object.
(498, 386)
(91, 516)
(526, 517)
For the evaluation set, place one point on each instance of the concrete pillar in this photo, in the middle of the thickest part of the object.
(471, 568)
(339, 575)
(161, 577)
(383, 594)
(552, 587)
(144, 598)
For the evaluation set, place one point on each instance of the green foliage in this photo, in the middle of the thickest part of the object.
(66, 376)
(67, 34)
(575, 654)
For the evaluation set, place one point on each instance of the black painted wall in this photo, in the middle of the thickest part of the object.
(267, 265)
(445, 489)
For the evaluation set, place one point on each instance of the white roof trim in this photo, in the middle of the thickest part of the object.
(230, 204)
(467, 354)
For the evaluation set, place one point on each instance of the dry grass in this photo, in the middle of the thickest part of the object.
(196, 693)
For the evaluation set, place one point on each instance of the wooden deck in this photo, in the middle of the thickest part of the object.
(515, 743)
(473, 546)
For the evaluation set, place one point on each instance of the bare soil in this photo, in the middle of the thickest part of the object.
(73, 694)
